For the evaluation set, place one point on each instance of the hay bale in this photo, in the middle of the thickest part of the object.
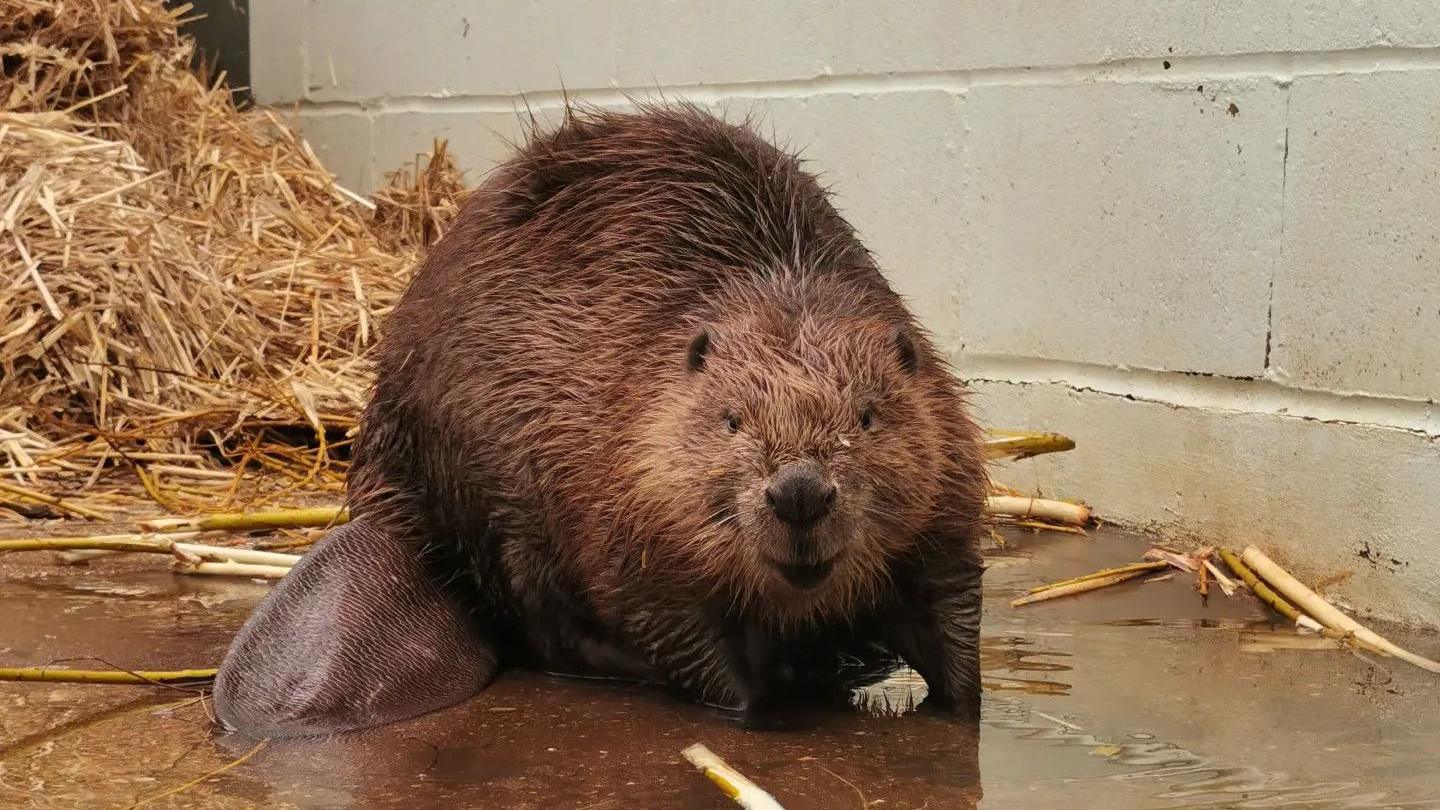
(186, 275)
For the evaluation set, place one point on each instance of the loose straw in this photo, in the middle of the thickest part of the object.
(164, 257)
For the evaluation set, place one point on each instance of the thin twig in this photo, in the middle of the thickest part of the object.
(1104, 572)
(192, 783)
(1083, 586)
(50, 500)
(860, 794)
(1042, 526)
(178, 677)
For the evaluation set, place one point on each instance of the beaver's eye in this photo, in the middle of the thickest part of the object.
(867, 418)
(732, 422)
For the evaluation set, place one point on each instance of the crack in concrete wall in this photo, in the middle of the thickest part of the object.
(1211, 392)
(1284, 176)
(1281, 67)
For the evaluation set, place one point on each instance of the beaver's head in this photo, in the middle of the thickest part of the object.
(803, 443)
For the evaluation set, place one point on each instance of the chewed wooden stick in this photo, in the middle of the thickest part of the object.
(247, 521)
(1059, 511)
(1269, 597)
(234, 569)
(1104, 572)
(1080, 586)
(1018, 445)
(142, 678)
(1326, 613)
(745, 793)
(152, 544)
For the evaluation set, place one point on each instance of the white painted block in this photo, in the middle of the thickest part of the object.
(277, 50)
(371, 48)
(1322, 498)
(343, 143)
(477, 141)
(1119, 224)
(1357, 295)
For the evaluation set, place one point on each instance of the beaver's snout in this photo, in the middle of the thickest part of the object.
(799, 495)
(800, 498)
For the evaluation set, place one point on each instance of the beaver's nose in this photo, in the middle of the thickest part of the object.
(799, 495)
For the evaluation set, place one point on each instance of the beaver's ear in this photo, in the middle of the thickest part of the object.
(699, 347)
(905, 349)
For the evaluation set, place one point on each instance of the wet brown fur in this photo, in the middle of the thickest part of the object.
(537, 427)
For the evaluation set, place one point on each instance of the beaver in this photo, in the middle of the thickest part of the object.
(648, 409)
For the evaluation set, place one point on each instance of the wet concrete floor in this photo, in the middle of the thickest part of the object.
(1138, 697)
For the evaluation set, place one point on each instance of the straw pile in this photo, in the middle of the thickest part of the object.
(187, 294)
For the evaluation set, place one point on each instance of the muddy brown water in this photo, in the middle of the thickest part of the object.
(1140, 697)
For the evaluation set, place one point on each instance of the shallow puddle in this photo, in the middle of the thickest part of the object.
(1141, 697)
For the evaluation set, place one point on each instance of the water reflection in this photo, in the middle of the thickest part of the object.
(1020, 654)
(1187, 779)
(537, 741)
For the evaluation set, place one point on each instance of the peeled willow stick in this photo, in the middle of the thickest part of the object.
(1275, 600)
(1018, 445)
(1058, 511)
(1267, 595)
(142, 678)
(1082, 586)
(1326, 613)
(152, 544)
(1104, 572)
(246, 521)
(1041, 526)
(84, 555)
(50, 500)
(745, 793)
(147, 543)
(288, 542)
(234, 569)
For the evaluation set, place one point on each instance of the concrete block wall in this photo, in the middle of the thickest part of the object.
(1203, 238)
